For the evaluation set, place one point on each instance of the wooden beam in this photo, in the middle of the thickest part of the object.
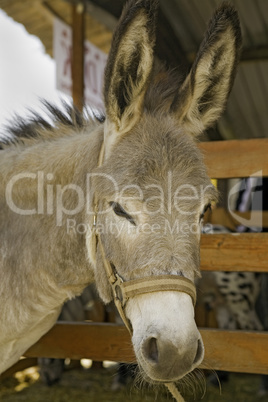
(257, 53)
(238, 351)
(78, 35)
(96, 341)
(234, 252)
(235, 351)
(49, 12)
(101, 15)
(236, 158)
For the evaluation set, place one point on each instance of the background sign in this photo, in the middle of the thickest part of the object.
(94, 59)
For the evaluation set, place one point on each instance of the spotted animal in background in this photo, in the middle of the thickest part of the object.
(233, 295)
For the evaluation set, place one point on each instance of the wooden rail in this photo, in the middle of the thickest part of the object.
(236, 158)
(234, 252)
(225, 350)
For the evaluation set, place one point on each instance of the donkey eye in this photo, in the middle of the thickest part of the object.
(207, 207)
(119, 211)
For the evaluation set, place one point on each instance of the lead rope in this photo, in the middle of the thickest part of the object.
(174, 391)
(170, 386)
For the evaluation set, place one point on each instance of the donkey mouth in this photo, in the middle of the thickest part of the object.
(168, 364)
(164, 380)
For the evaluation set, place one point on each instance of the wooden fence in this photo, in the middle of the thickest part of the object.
(236, 351)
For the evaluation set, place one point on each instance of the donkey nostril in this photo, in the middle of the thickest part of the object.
(150, 350)
(199, 352)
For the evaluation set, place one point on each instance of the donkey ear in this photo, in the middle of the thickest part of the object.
(129, 67)
(204, 93)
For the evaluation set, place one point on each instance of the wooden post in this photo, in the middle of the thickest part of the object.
(78, 55)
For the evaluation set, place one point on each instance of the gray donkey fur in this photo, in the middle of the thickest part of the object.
(153, 177)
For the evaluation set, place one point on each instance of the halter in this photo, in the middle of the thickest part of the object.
(124, 290)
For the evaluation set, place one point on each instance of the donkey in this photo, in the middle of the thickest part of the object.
(117, 200)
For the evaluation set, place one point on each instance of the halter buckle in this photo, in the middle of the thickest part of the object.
(117, 289)
(95, 221)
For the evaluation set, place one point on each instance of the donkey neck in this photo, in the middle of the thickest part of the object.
(44, 182)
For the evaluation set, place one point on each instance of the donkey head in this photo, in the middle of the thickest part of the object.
(152, 188)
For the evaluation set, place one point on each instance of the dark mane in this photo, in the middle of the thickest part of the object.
(159, 96)
(30, 127)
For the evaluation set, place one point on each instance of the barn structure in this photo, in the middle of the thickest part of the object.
(237, 147)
